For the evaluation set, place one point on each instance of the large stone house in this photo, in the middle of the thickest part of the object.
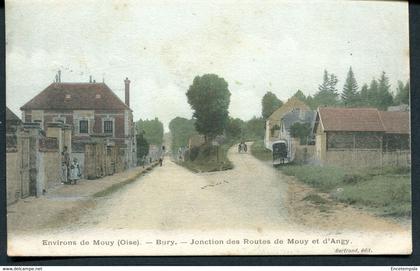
(362, 136)
(92, 110)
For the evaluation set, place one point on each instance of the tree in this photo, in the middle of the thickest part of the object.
(234, 128)
(270, 103)
(402, 95)
(142, 146)
(372, 95)
(254, 129)
(299, 94)
(310, 102)
(209, 97)
(152, 130)
(350, 95)
(325, 86)
(301, 131)
(333, 84)
(385, 98)
(327, 91)
(364, 95)
(181, 131)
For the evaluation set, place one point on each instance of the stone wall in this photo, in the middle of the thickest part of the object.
(13, 177)
(49, 170)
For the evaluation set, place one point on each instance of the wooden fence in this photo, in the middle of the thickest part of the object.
(101, 160)
(368, 158)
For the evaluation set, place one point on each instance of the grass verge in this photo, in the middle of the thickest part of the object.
(208, 158)
(259, 151)
(113, 188)
(386, 191)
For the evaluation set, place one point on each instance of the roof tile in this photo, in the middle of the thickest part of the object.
(75, 96)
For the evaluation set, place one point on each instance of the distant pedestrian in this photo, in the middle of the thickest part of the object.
(74, 171)
(160, 161)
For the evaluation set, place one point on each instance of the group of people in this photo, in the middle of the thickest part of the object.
(242, 147)
(70, 169)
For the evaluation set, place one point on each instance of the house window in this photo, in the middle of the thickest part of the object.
(83, 126)
(108, 126)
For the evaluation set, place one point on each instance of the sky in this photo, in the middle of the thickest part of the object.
(255, 45)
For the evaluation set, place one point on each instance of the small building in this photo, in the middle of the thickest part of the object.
(361, 136)
(272, 127)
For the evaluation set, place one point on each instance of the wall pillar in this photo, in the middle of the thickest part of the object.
(55, 129)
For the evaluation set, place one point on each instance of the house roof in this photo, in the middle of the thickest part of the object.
(351, 119)
(75, 96)
(293, 102)
(10, 116)
(363, 120)
(395, 122)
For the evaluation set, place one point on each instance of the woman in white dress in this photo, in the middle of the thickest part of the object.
(74, 171)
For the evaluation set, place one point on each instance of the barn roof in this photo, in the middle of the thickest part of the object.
(363, 120)
(351, 119)
(395, 122)
(75, 96)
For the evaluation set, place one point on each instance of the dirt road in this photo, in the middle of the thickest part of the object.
(250, 196)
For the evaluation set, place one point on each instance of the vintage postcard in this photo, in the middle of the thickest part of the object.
(219, 127)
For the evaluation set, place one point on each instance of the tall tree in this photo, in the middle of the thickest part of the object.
(402, 95)
(325, 86)
(234, 128)
(333, 84)
(270, 103)
(254, 129)
(385, 98)
(151, 129)
(327, 91)
(209, 97)
(299, 94)
(350, 95)
(372, 95)
(364, 95)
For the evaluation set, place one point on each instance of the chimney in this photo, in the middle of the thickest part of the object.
(127, 91)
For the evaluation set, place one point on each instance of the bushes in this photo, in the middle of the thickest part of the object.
(260, 152)
(207, 158)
